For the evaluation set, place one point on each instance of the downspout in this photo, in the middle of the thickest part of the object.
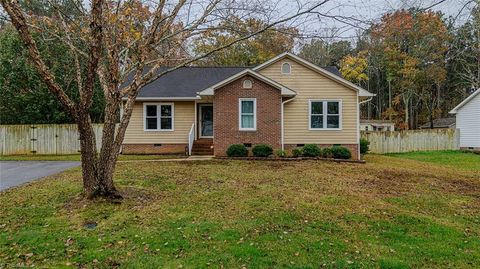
(282, 124)
(358, 122)
(121, 117)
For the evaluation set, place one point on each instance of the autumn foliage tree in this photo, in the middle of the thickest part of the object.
(412, 44)
(353, 68)
(253, 51)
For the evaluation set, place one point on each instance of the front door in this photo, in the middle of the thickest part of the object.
(206, 120)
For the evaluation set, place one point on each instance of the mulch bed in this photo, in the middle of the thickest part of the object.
(290, 159)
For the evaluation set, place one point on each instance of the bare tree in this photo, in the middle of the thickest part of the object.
(124, 46)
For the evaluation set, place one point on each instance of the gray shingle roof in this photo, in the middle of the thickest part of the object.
(440, 123)
(187, 81)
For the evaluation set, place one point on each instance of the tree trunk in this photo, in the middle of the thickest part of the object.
(109, 153)
(97, 182)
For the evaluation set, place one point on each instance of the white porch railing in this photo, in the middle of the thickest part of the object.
(191, 138)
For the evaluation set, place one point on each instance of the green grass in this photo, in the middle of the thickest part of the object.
(76, 157)
(450, 158)
(388, 213)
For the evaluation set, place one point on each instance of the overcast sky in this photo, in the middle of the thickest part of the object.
(372, 10)
(355, 14)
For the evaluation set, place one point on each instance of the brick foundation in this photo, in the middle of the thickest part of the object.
(354, 148)
(154, 148)
(226, 118)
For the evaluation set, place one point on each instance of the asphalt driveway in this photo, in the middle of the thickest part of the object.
(14, 173)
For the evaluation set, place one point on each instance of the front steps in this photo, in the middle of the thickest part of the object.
(203, 146)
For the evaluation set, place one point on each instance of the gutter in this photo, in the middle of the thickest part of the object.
(282, 124)
(365, 101)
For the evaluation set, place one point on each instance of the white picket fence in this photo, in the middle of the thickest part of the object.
(52, 139)
(412, 140)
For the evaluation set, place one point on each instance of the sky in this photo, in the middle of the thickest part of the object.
(358, 13)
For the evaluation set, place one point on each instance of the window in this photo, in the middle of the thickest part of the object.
(324, 115)
(247, 84)
(286, 68)
(158, 117)
(247, 114)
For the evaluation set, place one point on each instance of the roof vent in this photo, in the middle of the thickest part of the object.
(247, 84)
(286, 68)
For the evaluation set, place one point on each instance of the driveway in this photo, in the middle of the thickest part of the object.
(14, 173)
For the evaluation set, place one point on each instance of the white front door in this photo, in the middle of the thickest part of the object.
(206, 120)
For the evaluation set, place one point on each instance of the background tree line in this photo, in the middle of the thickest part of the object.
(420, 64)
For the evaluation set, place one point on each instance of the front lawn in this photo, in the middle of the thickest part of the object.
(388, 213)
(451, 158)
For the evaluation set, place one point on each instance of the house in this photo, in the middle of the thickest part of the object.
(286, 102)
(377, 125)
(440, 123)
(468, 121)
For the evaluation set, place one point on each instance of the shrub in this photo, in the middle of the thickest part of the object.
(237, 150)
(339, 152)
(262, 150)
(326, 153)
(297, 152)
(281, 153)
(311, 150)
(364, 146)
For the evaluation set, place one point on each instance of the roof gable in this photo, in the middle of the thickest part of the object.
(464, 102)
(211, 90)
(328, 74)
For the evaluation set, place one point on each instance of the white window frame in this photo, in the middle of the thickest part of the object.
(325, 115)
(159, 116)
(281, 68)
(240, 100)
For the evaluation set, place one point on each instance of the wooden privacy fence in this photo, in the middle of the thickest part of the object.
(64, 139)
(412, 140)
(43, 139)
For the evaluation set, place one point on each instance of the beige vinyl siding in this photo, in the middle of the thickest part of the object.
(184, 116)
(310, 84)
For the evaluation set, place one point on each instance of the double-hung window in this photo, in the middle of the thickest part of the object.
(325, 115)
(247, 114)
(158, 117)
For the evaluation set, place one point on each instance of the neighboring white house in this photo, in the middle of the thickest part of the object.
(377, 125)
(468, 121)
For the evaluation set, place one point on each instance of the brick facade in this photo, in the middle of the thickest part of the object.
(354, 148)
(154, 149)
(226, 118)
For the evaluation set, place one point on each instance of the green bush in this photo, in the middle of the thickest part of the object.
(339, 152)
(237, 150)
(262, 150)
(281, 153)
(297, 152)
(326, 153)
(311, 150)
(364, 146)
